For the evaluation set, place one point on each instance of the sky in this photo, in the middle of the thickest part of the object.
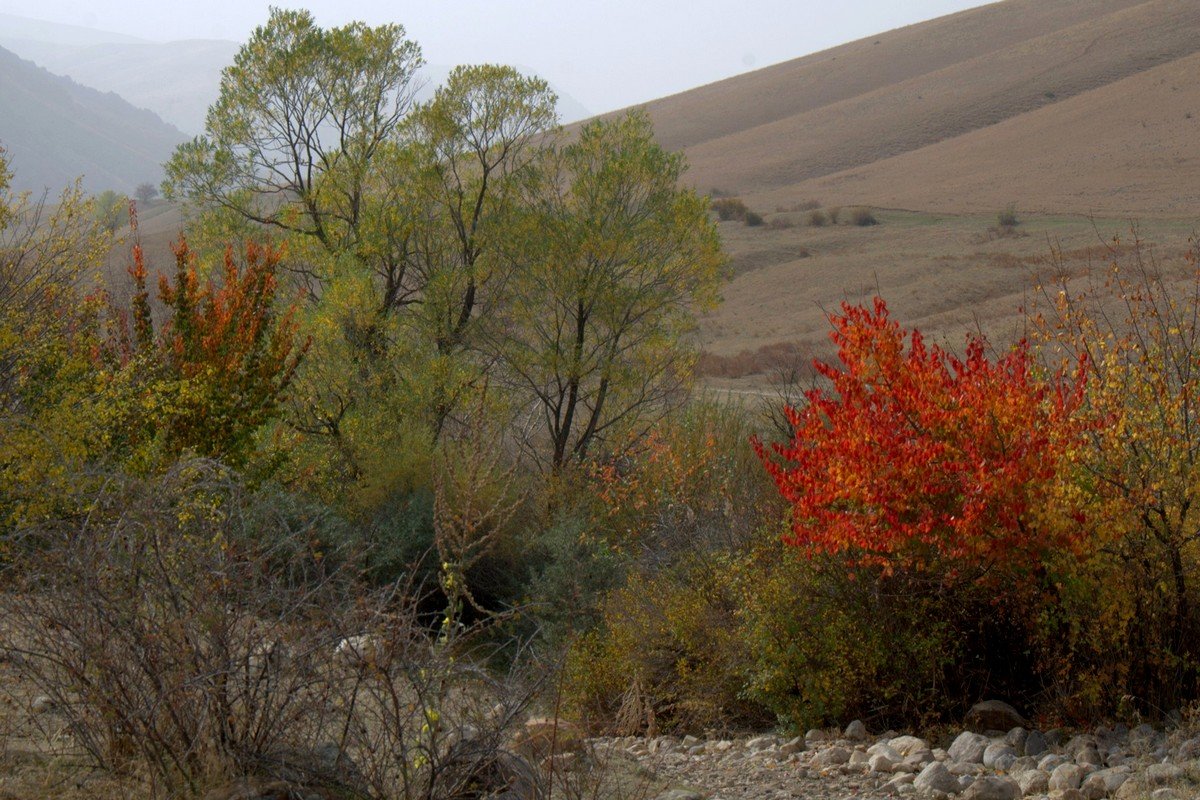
(607, 54)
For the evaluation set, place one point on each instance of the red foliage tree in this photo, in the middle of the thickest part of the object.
(914, 458)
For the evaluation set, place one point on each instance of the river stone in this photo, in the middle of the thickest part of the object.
(993, 715)
(1103, 783)
(1066, 776)
(995, 751)
(1035, 781)
(856, 731)
(880, 762)
(993, 787)
(1035, 743)
(969, 747)
(936, 778)
(831, 757)
(907, 745)
(1158, 774)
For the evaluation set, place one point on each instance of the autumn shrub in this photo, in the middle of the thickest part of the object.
(1138, 323)
(668, 657)
(946, 478)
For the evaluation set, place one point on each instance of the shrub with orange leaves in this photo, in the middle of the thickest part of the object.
(914, 458)
(216, 371)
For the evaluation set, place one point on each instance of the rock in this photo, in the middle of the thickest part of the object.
(1158, 774)
(969, 747)
(1089, 757)
(1165, 794)
(997, 750)
(1066, 776)
(1035, 743)
(792, 746)
(1035, 781)
(856, 731)
(993, 787)
(1103, 783)
(831, 757)
(542, 737)
(42, 704)
(881, 762)
(993, 715)
(814, 735)
(883, 748)
(1051, 761)
(962, 768)
(1016, 737)
(858, 759)
(761, 743)
(898, 781)
(1132, 789)
(1066, 794)
(680, 794)
(1023, 764)
(1188, 749)
(936, 778)
(907, 745)
(965, 781)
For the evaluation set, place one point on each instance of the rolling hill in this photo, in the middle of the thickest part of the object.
(56, 130)
(1085, 114)
(1063, 105)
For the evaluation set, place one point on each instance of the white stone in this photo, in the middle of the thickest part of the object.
(969, 747)
(1034, 781)
(906, 745)
(993, 787)
(994, 751)
(856, 731)
(936, 778)
(1066, 776)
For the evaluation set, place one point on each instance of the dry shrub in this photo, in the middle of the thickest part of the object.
(763, 360)
(753, 219)
(862, 217)
(817, 219)
(1008, 217)
(190, 634)
(781, 223)
(807, 205)
(729, 208)
(835, 214)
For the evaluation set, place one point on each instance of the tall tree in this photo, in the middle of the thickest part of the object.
(619, 261)
(301, 114)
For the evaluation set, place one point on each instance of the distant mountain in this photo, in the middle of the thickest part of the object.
(56, 130)
(176, 80)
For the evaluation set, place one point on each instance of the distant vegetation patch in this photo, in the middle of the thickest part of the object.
(777, 358)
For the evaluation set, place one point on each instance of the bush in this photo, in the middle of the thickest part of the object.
(753, 219)
(835, 214)
(729, 208)
(1008, 217)
(817, 219)
(193, 632)
(862, 217)
(780, 223)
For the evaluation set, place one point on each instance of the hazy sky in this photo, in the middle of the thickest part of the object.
(605, 53)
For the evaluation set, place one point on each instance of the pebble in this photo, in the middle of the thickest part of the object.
(853, 765)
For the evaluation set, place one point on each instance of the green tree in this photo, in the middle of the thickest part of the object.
(111, 209)
(301, 114)
(620, 260)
